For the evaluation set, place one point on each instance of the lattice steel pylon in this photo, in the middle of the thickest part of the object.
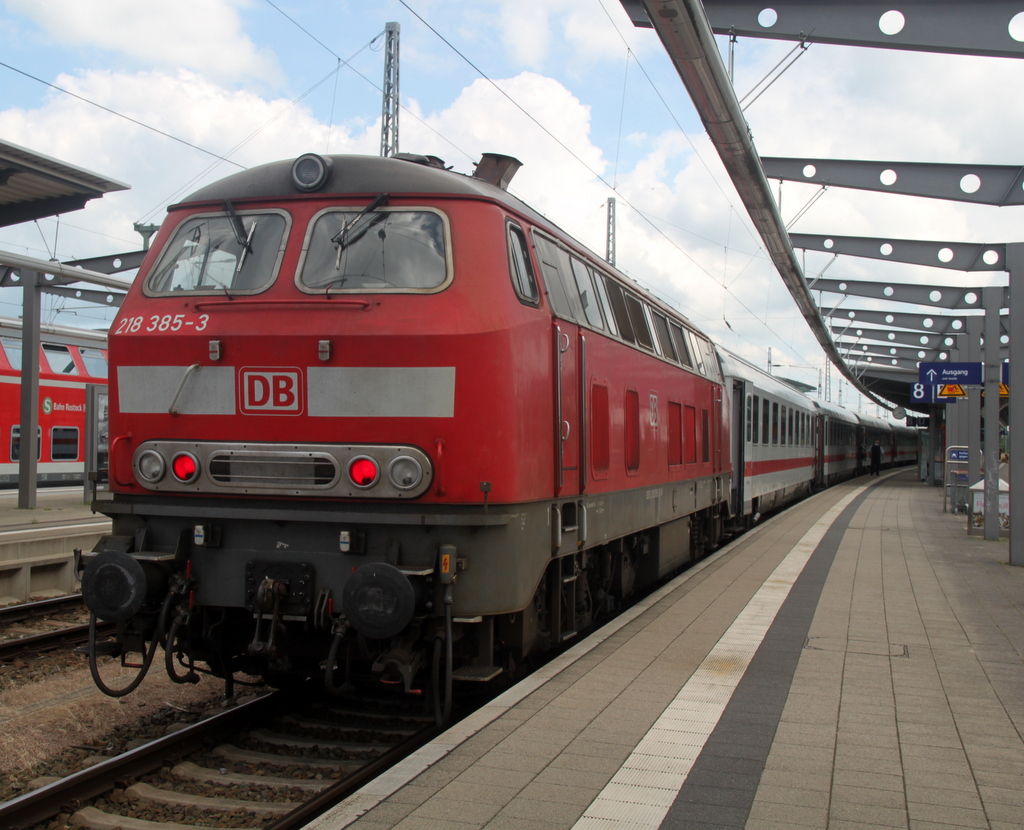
(389, 109)
(609, 255)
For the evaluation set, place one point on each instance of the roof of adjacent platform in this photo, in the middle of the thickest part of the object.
(33, 185)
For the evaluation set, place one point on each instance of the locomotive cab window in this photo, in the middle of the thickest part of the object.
(521, 269)
(588, 297)
(383, 250)
(231, 252)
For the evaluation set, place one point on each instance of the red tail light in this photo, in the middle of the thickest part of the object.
(185, 467)
(363, 471)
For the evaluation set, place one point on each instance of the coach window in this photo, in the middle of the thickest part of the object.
(782, 425)
(682, 350)
(765, 418)
(789, 426)
(749, 417)
(632, 426)
(95, 362)
(64, 444)
(12, 349)
(585, 286)
(775, 424)
(238, 252)
(606, 307)
(520, 267)
(639, 321)
(756, 420)
(600, 428)
(59, 359)
(16, 443)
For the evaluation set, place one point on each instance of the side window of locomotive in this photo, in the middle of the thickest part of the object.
(602, 293)
(661, 327)
(551, 265)
(520, 267)
(682, 350)
(208, 254)
(615, 295)
(95, 362)
(649, 318)
(59, 359)
(386, 250)
(639, 322)
(588, 297)
(695, 351)
(64, 443)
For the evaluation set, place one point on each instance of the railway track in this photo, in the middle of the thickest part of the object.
(275, 762)
(45, 625)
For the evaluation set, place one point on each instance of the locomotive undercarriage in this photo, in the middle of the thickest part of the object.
(441, 594)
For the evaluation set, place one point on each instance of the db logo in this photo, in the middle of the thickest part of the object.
(271, 391)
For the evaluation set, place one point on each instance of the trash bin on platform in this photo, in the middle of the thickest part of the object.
(976, 518)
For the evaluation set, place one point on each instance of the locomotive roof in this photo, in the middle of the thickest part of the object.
(363, 175)
(359, 175)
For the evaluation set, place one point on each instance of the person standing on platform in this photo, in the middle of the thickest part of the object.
(876, 459)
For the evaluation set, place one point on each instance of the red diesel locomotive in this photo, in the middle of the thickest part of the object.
(373, 418)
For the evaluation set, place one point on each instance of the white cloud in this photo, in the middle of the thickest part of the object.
(203, 35)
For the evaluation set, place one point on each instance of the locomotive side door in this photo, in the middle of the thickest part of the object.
(567, 354)
(569, 346)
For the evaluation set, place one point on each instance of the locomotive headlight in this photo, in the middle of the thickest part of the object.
(405, 472)
(310, 172)
(185, 467)
(363, 471)
(152, 466)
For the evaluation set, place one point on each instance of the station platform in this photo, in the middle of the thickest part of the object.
(853, 663)
(37, 546)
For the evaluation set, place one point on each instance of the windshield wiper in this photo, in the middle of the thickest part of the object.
(244, 240)
(342, 240)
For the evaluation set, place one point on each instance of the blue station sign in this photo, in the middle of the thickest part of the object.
(966, 374)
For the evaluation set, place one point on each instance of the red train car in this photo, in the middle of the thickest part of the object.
(70, 359)
(372, 413)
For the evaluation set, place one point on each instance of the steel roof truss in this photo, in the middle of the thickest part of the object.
(984, 184)
(921, 25)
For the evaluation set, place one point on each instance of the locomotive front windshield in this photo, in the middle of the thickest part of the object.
(234, 253)
(382, 250)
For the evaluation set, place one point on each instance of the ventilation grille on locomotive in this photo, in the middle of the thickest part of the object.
(309, 471)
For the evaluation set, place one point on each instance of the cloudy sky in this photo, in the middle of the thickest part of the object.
(590, 104)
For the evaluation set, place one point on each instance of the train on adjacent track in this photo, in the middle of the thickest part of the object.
(70, 359)
(373, 418)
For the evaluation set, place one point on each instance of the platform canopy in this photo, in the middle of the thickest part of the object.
(33, 186)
